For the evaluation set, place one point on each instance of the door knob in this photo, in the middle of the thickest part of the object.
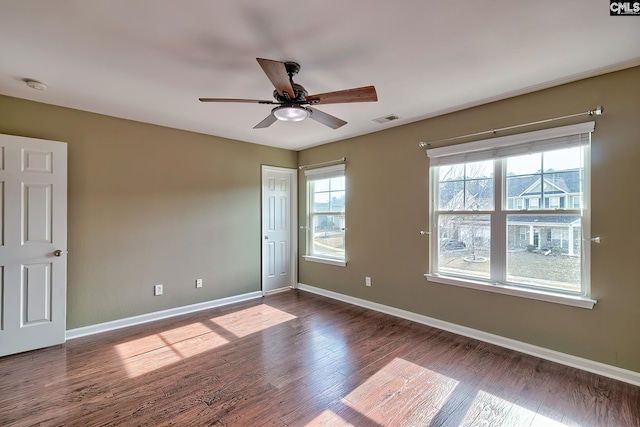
(266, 237)
(57, 252)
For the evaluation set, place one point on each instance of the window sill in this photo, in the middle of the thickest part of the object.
(574, 301)
(329, 261)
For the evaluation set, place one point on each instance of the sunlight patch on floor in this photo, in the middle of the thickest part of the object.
(329, 419)
(487, 408)
(251, 320)
(154, 342)
(147, 354)
(155, 351)
(418, 390)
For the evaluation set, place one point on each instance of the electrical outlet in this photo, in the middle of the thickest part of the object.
(367, 281)
(198, 283)
(157, 290)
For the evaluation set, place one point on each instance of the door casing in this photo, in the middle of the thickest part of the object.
(293, 227)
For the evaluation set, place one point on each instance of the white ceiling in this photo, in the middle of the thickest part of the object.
(150, 60)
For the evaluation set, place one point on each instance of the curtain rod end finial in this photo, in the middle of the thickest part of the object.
(597, 111)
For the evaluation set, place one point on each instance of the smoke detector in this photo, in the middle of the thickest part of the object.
(34, 84)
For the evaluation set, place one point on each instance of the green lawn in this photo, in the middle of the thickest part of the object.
(523, 267)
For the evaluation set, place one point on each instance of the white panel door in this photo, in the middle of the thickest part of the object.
(279, 248)
(33, 243)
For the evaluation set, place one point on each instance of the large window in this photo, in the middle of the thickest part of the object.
(326, 221)
(513, 212)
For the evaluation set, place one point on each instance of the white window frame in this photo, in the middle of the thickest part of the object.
(502, 148)
(519, 203)
(312, 175)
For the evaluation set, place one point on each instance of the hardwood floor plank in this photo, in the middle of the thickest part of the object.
(298, 359)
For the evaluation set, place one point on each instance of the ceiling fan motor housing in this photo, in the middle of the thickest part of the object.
(300, 92)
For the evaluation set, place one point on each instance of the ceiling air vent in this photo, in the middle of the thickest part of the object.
(386, 119)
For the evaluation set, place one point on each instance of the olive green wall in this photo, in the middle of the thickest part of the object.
(150, 205)
(387, 206)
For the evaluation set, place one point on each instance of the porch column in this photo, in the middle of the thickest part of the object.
(531, 234)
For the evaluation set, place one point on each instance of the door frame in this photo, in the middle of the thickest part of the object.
(293, 229)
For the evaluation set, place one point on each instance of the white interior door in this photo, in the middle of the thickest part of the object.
(279, 239)
(33, 243)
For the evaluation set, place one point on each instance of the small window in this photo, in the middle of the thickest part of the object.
(577, 203)
(326, 215)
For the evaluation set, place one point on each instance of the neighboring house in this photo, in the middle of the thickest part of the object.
(561, 190)
(544, 233)
(551, 190)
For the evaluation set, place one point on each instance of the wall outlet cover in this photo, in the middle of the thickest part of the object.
(157, 290)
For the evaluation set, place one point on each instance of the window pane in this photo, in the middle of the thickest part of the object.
(552, 178)
(466, 186)
(564, 185)
(321, 202)
(566, 159)
(479, 170)
(521, 187)
(337, 201)
(328, 236)
(479, 194)
(524, 165)
(464, 245)
(321, 185)
(557, 190)
(451, 196)
(451, 173)
(337, 183)
(544, 250)
(328, 195)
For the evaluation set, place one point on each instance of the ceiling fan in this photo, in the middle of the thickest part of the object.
(293, 101)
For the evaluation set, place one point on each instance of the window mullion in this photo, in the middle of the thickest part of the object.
(336, 213)
(498, 225)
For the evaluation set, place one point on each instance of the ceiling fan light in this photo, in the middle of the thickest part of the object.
(290, 113)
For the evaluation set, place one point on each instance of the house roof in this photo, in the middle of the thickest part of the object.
(556, 182)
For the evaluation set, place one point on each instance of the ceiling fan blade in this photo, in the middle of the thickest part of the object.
(249, 101)
(326, 119)
(277, 73)
(359, 94)
(268, 121)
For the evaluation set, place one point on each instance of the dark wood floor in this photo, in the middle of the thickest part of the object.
(297, 359)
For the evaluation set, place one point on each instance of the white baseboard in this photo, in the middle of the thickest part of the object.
(614, 372)
(157, 315)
